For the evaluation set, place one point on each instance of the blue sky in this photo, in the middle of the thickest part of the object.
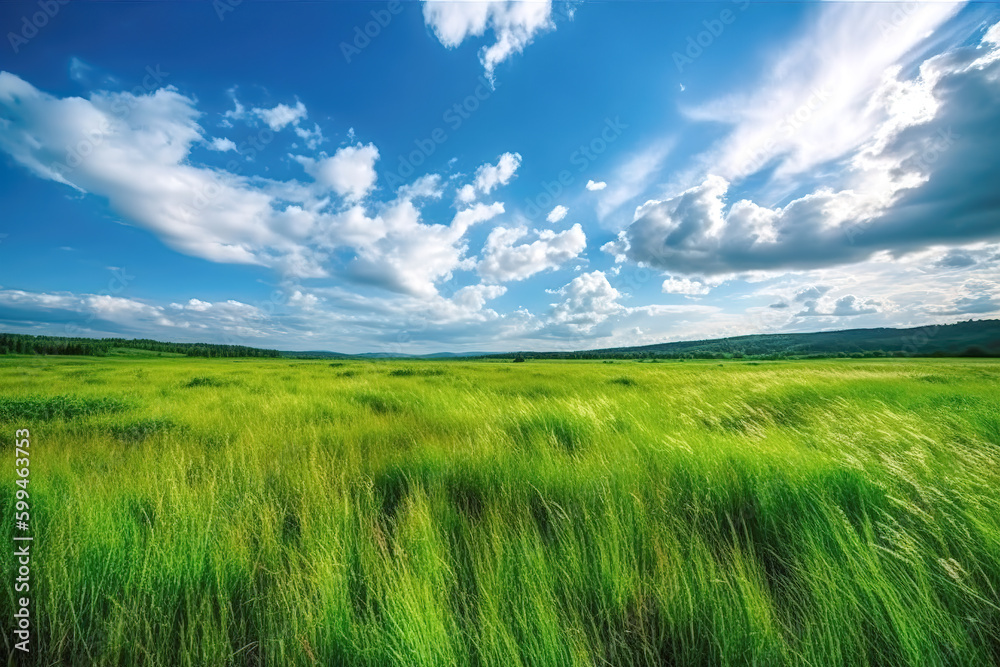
(495, 175)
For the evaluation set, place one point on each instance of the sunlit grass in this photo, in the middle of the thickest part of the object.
(268, 512)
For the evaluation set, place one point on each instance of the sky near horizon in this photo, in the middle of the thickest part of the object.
(414, 177)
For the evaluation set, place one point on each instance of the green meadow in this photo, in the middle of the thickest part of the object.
(277, 512)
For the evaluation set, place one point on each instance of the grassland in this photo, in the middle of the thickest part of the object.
(267, 512)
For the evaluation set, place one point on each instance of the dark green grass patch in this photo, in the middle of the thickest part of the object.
(415, 372)
(134, 431)
(566, 432)
(203, 381)
(380, 402)
(47, 408)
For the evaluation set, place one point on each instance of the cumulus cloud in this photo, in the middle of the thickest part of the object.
(427, 186)
(513, 23)
(811, 292)
(684, 286)
(222, 145)
(918, 168)
(557, 214)
(503, 261)
(588, 300)
(490, 176)
(350, 172)
(410, 256)
(139, 160)
(594, 186)
(281, 116)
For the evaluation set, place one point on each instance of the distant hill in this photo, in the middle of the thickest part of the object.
(974, 338)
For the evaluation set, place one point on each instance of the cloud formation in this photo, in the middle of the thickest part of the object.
(932, 159)
(513, 23)
(350, 172)
(490, 176)
(503, 261)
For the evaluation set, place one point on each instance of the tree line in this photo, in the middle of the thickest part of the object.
(25, 344)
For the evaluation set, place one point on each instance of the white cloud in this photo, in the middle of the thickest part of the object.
(222, 145)
(350, 172)
(846, 306)
(103, 314)
(141, 164)
(304, 300)
(557, 214)
(514, 24)
(931, 159)
(588, 300)
(814, 104)
(503, 261)
(490, 176)
(427, 186)
(684, 286)
(282, 115)
(138, 161)
(410, 256)
(312, 138)
(467, 193)
(594, 186)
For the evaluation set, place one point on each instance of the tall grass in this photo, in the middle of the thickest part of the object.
(235, 512)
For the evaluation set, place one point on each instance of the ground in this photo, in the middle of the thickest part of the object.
(279, 512)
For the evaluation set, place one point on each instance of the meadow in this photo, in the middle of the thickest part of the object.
(277, 512)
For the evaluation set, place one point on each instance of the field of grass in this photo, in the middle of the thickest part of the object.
(267, 512)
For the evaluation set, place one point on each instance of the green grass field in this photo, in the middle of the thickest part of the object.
(267, 512)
